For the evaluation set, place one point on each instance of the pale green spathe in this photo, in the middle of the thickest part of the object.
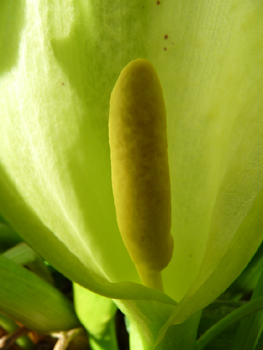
(65, 57)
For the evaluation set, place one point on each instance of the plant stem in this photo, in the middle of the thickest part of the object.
(11, 327)
(178, 337)
(108, 341)
(64, 338)
(151, 279)
(181, 336)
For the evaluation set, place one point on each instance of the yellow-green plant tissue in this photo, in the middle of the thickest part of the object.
(140, 170)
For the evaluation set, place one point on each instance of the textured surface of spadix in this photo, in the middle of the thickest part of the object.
(65, 57)
(139, 165)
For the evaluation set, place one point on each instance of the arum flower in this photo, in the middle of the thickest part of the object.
(59, 63)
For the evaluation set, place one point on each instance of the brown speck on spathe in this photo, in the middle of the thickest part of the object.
(166, 36)
(158, 2)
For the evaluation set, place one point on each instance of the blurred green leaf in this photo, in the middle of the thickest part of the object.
(26, 298)
(22, 254)
(8, 238)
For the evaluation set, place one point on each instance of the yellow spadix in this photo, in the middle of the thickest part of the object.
(140, 170)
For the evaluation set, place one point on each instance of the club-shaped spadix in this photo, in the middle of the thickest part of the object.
(140, 170)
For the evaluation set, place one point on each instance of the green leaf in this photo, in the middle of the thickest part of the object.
(235, 316)
(26, 298)
(214, 313)
(22, 254)
(8, 237)
(251, 328)
(249, 278)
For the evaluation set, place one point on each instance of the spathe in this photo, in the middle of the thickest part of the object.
(55, 179)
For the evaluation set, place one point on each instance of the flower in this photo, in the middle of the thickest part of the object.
(57, 71)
